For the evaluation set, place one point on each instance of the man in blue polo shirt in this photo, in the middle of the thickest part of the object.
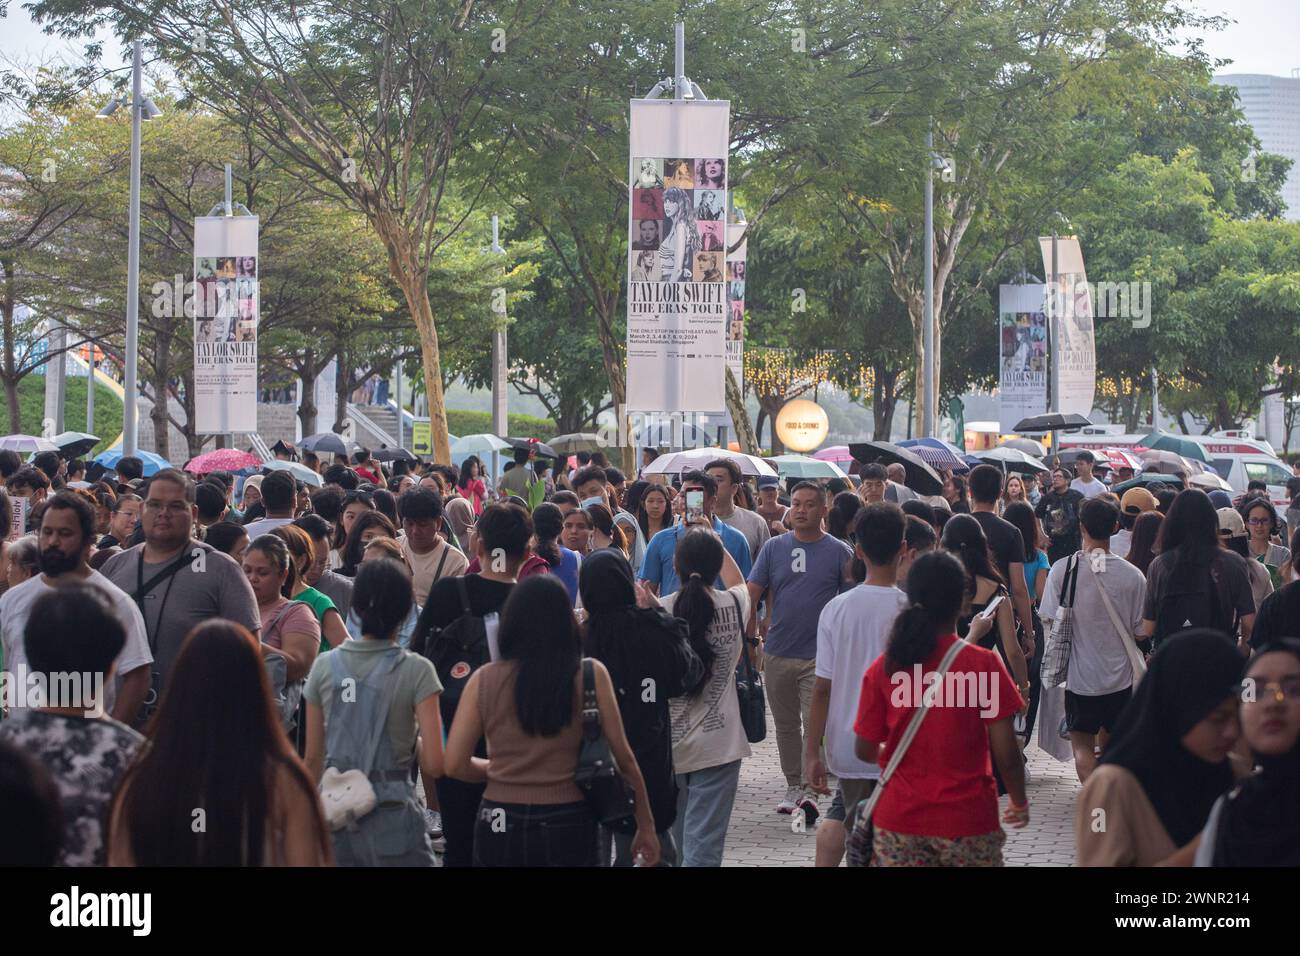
(657, 571)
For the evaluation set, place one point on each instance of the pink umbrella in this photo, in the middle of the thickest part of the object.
(836, 453)
(222, 459)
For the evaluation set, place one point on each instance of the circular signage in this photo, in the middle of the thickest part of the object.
(802, 425)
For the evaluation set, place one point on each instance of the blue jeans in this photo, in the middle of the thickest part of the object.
(704, 801)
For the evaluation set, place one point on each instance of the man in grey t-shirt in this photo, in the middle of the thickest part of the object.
(752, 525)
(184, 581)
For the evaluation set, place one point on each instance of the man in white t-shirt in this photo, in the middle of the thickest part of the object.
(852, 632)
(1100, 673)
(67, 536)
(1084, 482)
(279, 494)
(430, 556)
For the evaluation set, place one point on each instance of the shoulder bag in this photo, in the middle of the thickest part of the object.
(858, 847)
(597, 776)
(749, 689)
(1060, 635)
(1135, 659)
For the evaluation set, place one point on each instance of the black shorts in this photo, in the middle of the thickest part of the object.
(1090, 715)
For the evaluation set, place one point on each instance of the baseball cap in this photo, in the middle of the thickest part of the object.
(1137, 501)
(769, 481)
(1230, 523)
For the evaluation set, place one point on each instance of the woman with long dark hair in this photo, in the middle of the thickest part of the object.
(1167, 761)
(1194, 582)
(1262, 525)
(940, 807)
(964, 538)
(528, 705)
(955, 493)
(605, 533)
(1021, 514)
(470, 483)
(548, 523)
(843, 512)
(302, 552)
(217, 754)
(365, 701)
(680, 241)
(1142, 546)
(355, 504)
(655, 511)
(367, 527)
(637, 641)
(709, 740)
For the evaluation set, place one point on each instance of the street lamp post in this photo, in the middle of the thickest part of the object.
(141, 108)
(500, 411)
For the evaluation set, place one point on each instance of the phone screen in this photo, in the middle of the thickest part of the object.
(993, 607)
(694, 506)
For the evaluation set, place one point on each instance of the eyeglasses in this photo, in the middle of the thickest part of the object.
(171, 507)
(1281, 691)
(1259, 521)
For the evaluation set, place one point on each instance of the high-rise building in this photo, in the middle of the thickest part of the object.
(1271, 105)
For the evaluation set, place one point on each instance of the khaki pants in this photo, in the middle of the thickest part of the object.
(789, 682)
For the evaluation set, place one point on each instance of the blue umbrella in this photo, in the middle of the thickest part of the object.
(152, 463)
(937, 453)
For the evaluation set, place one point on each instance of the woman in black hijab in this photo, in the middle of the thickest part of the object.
(1259, 823)
(649, 658)
(1167, 761)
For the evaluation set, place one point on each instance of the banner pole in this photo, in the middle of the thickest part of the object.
(928, 389)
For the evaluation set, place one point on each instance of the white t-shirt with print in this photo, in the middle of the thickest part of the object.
(706, 727)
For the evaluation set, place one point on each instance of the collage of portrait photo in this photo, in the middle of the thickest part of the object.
(225, 298)
(679, 220)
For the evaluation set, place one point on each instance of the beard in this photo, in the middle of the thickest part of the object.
(54, 562)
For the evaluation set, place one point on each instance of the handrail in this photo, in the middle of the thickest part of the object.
(361, 418)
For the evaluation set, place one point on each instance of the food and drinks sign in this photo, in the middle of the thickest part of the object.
(678, 293)
(225, 324)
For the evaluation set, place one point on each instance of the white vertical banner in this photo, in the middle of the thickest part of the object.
(1070, 311)
(225, 324)
(736, 302)
(1022, 368)
(677, 307)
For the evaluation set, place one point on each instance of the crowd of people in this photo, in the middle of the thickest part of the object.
(413, 665)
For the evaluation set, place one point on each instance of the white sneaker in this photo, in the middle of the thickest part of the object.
(807, 805)
(790, 801)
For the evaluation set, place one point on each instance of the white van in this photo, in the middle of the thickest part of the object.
(1239, 461)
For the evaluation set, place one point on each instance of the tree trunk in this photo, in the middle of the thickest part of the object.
(771, 404)
(612, 360)
(740, 418)
(7, 306)
(884, 399)
(308, 373)
(158, 415)
(342, 390)
(413, 278)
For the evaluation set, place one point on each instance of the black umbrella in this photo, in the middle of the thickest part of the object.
(74, 444)
(329, 443)
(1069, 456)
(393, 454)
(1051, 422)
(543, 450)
(920, 476)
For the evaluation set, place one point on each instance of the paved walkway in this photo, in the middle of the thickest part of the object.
(759, 836)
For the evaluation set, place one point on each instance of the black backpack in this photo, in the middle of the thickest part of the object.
(1192, 599)
(457, 651)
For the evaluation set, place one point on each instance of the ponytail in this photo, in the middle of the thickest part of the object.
(936, 588)
(912, 639)
(694, 605)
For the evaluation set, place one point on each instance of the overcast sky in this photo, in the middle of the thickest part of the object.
(1262, 40)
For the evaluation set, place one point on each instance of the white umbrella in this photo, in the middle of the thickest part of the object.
(801, 466)
(297, 469)
(26, 444)
(694, 459)
(482, 444)
(1209, 481)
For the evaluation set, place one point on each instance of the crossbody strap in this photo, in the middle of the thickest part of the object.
(909, 734)
(590, 708)
(745, 662)
(1120, 629)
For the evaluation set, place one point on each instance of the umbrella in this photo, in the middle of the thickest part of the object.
(222, 459)
(329, 443)
(481, 444)
(1069, 456)
(1165, 462)
(920, 476)
(297, 469)
(543, 450)
(693, 459)
(1145, 480)
(26, 444)
(1209, 481)
(577, 441)
(152, 463)
(801, 466)
(1051, 422)
(75, 444)
(835, 453)
(936, 453)
(1163, 441)
(393, 454)
(1027, 445)
(1011, 459)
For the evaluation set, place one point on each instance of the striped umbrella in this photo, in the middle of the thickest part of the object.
(936, 453)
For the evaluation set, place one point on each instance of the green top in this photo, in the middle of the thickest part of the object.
(319, 603)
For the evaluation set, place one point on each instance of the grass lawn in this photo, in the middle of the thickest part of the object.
(108, 409)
